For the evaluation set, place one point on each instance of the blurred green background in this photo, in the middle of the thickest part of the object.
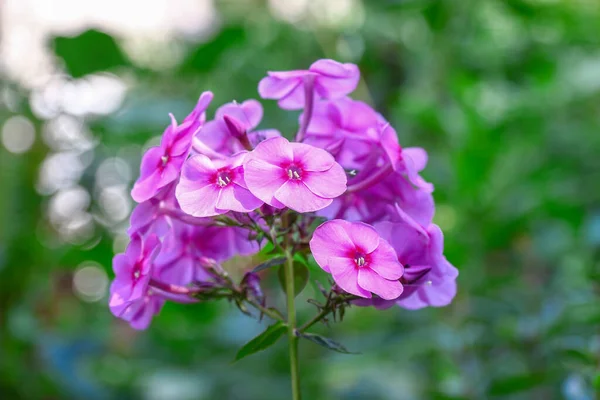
(505, 96)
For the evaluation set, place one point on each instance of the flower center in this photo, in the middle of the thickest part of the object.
(223, 178)
(359, 259)
(294, 172)
(164, 160)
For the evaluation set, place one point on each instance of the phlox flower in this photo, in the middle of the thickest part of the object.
(328, 78)
(161, 164)
(212, 187)
(295, 175)
(360, 261)
(232, 129)
(139, 313)
(133, 271)
(430, 279)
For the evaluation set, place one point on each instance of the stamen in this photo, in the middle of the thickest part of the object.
(164, 160)
(136, 274)
(360, 260)
(223, 179)
(293, 172)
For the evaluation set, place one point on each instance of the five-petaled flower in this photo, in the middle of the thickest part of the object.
(295, 175)
(162, 164)
(212, 187)
(328, 79)
(360, 261)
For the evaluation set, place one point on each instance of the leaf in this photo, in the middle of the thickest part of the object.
(266, 339)
(300, 277)
(516, 384)
(325, 342)
(269, 264)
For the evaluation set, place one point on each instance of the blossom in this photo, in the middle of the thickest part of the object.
(360, 261)
(161, 164)
(232, 129)
(139, 313)
(212, 187)
(328, 78)
(133, 271)
(295, 175)
(430, 279)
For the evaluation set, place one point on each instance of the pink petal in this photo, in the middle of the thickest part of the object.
(418, 157)
(371, 281)
(334, 68)
(364, 236)
(297, 196)
(134, 249)
(121, 265)
(199, 170)
(277, 151)
(312, 158)
(330, 240)
(236, 198)
(151, 161)
(277, 86)
(384, 262)
(263, 180)
(328, 184)
(335, 80)
(249, 113)
(214, 134)
(293, 100)
(198, 201)
(345, 274)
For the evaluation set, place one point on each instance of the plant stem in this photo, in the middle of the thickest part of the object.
(291, 323)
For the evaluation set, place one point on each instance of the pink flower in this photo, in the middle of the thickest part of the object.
(328, 78)
(212, 187)
(133, 271)
(139, 313)
(360, 261)
(295, 175)
(231, 130)
(161, 165)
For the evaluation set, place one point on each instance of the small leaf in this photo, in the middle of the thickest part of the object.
(266, 339)
(325, 342)
(269, 264)
(300, 277)
(515, 384)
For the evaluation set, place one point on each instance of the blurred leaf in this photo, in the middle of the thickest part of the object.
(515, 384)
(266, 339)
(325, 342)
(300, 277)
(206, 57)
(269, 264)
(80, 61)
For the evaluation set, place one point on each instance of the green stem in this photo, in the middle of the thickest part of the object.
(291, 323)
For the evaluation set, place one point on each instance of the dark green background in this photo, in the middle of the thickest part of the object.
(505, 96)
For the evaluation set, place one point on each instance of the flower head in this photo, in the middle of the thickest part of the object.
(212, 187)
(360, 261)
(139, 313)
(295, 175)
(328, 78)
(133, 271)
(161, 165)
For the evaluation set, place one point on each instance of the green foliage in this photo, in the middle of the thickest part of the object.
(300, 277)
(265, 340)
(326, 342)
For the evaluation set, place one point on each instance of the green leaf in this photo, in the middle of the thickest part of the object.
(269, 264)
(266, 339)
(300, 277)
(515, 384)
(326, 342)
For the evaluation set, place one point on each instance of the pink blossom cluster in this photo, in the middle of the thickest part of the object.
(210, 186)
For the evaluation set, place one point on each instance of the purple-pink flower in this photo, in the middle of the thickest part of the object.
(133, 271)
(212, 187)
(295, 175)
(360, 261)
(161, 165)
(430, 280)
(328, 79)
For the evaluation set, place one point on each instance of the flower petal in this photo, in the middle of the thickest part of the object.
(198, 201)
(236, 198)
(364, 236)
(345, 274)
(328, 184)
(263, 180)
(384, 261)
(249, 113)
(312, 158)
(276, 151)
(330, 240)
(297, 196)
(371, 281)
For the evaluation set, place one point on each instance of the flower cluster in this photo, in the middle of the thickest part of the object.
(221, 188)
